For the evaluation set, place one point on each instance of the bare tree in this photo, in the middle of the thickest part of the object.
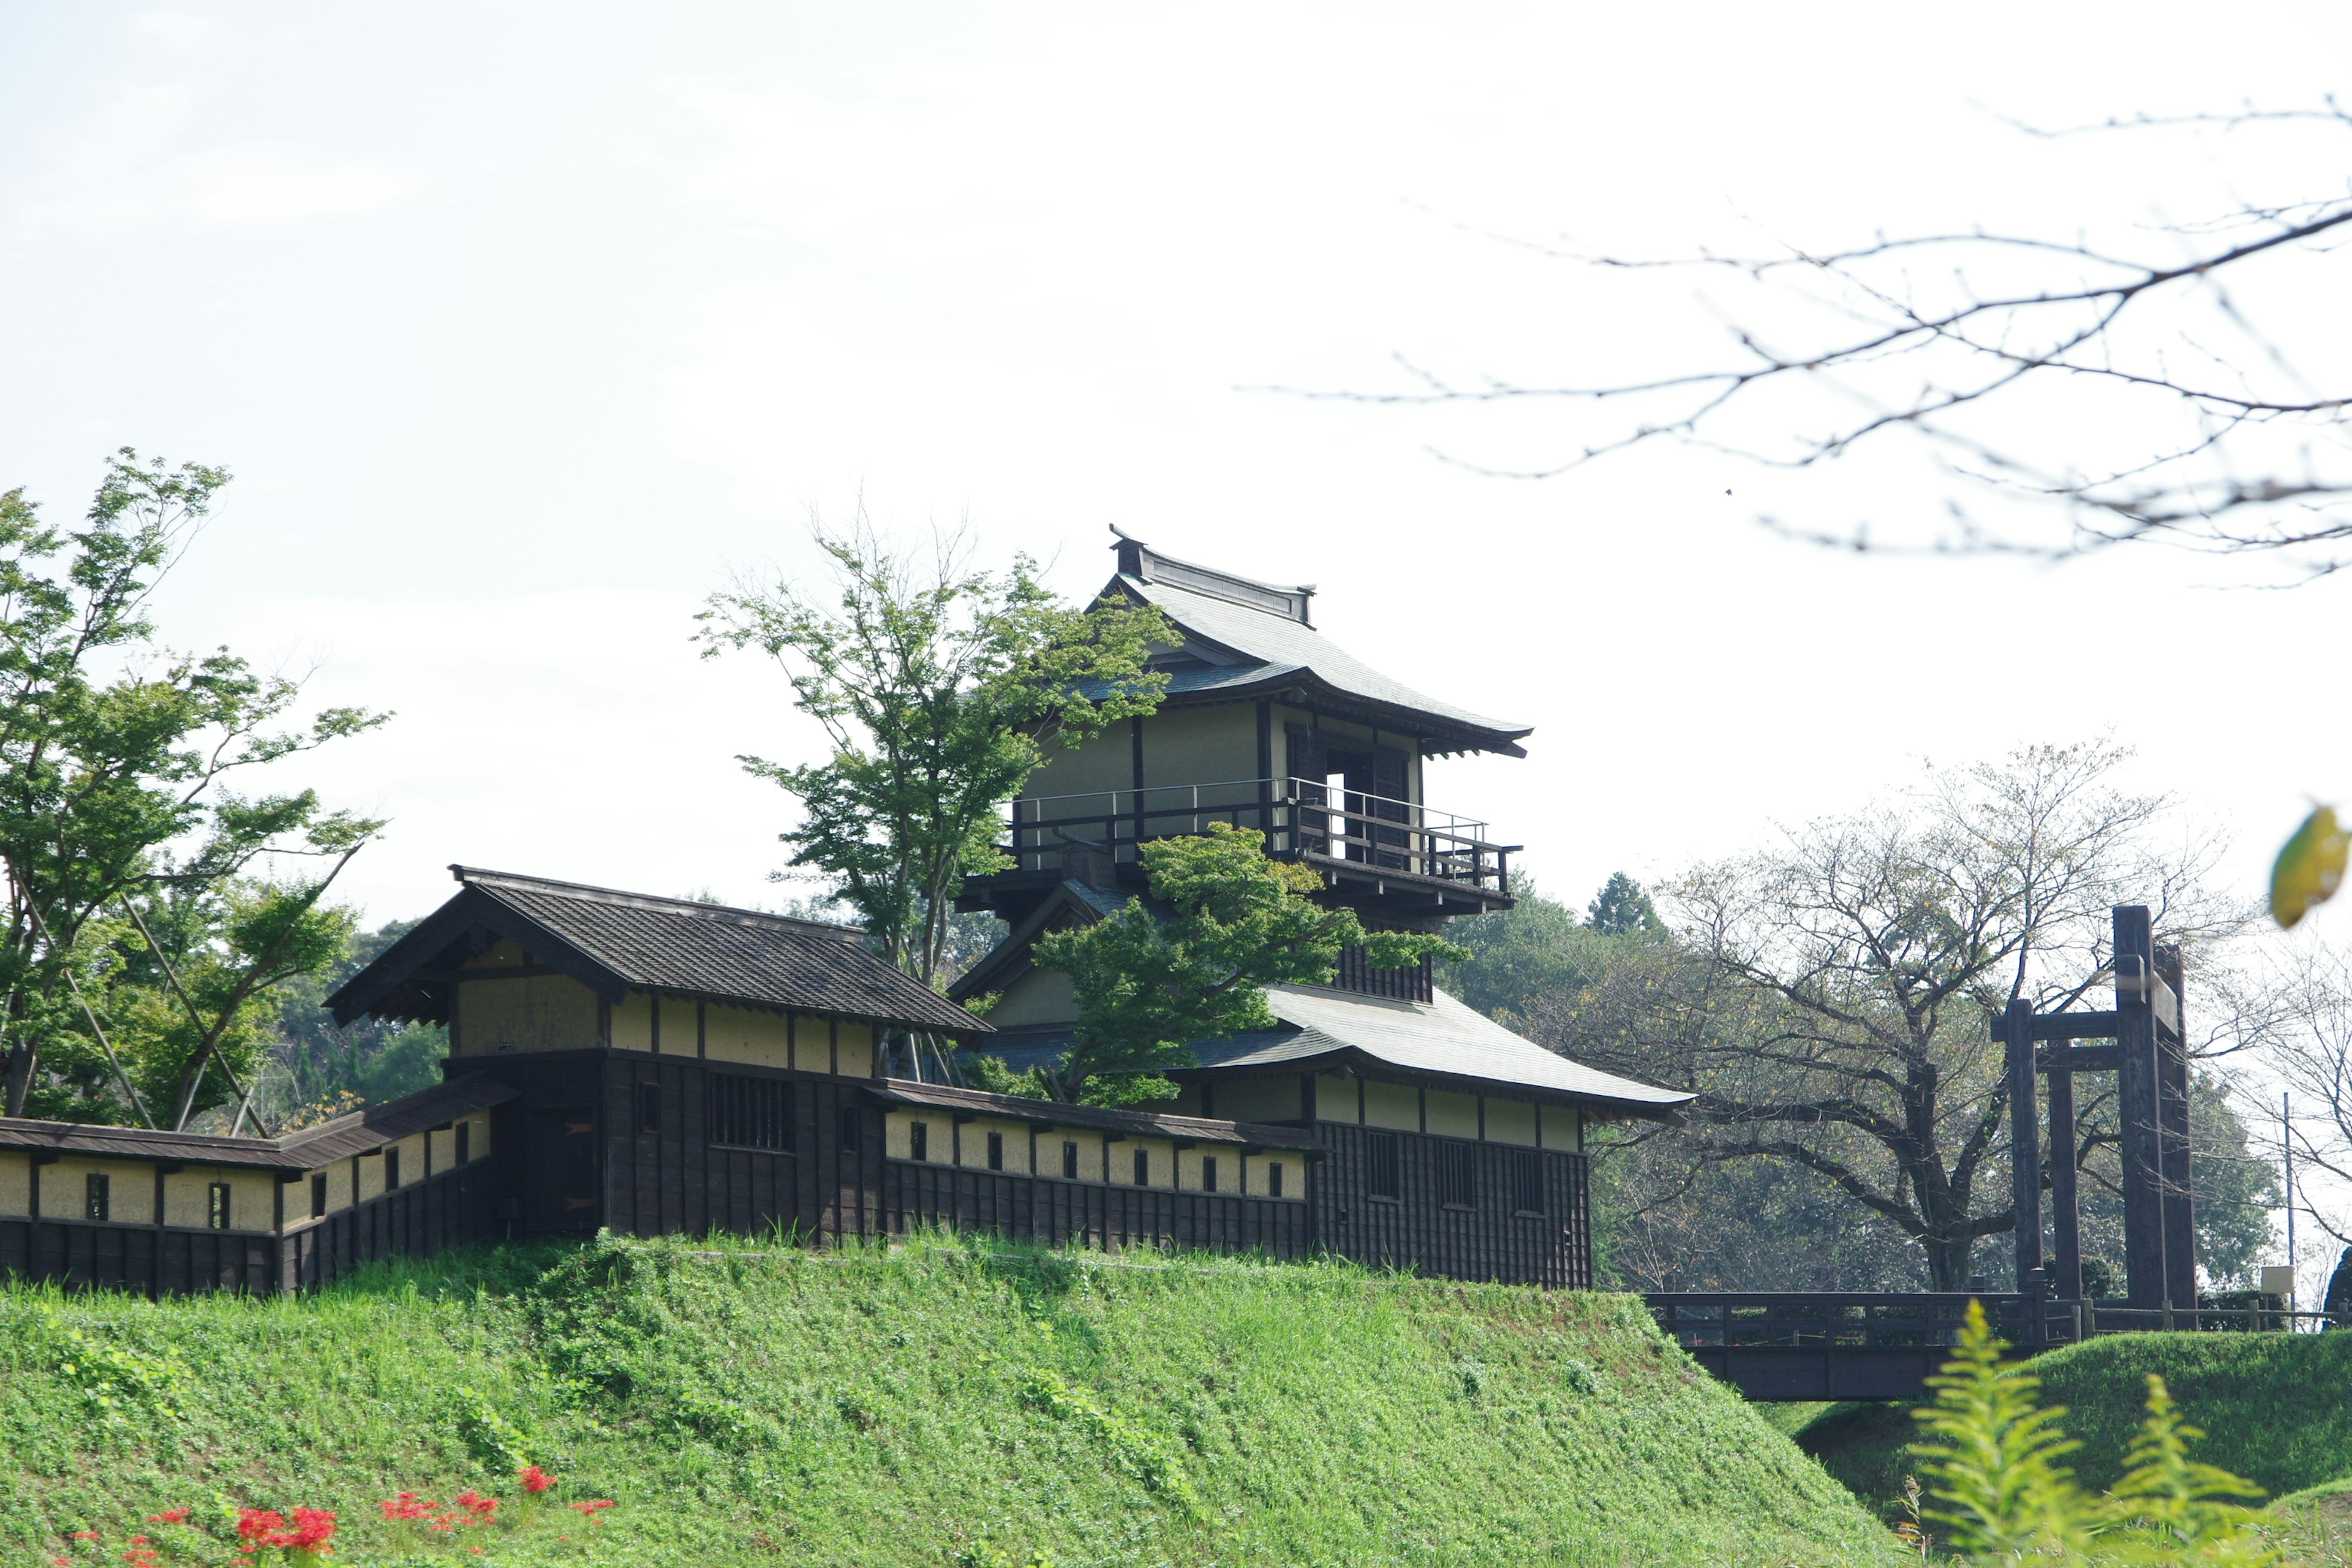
(2012, 355)
(1828, 999)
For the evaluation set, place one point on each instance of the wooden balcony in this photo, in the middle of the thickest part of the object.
(1365, 843)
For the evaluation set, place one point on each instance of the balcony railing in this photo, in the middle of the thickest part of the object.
(1300, 818)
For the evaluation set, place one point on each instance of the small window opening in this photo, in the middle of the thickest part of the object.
(853, 1128)
(100, 1194)
(1526, 1182)
(1380, 1176)
(996, 1151)
(1458, 1176)
(1274, 1179)
(1143, 1167)
(216, 1212)
(1208, 1172)
(649, 1120)
(1069, 1161)
(919, 1140)
(319, 1191)
(391, 1168)
(464, 1142)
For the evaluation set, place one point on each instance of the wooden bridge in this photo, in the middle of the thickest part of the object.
(1783, 1346)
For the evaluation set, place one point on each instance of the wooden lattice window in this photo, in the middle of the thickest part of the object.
(996, 1151)
(1458, 1176)
(216, 1210)
(1069, 1161)
(1381, 1166)
(1208, 1173)
(1527, 1181)
(750, 1113)
(919, 1140)
(99, 1196)
(319, 1189)
(1143, 1167)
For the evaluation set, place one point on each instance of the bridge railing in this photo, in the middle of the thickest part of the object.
(1855, 1320)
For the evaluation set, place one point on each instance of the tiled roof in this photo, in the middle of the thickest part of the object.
(1053, 1113)
(1444, 1037)
(636, 941)
(360, 1133)
(1274, 648)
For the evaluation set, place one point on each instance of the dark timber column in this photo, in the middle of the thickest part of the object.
(2172, 1114)
(2136, 1107)
(2065, 1211)
(2024, 1143)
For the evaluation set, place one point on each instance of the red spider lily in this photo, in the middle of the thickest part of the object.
(535, 1480)
(590, 1509)
(254, 1524)
(313, 1528)
(483, 1508)
(169, 1515)
(408, 1505)
(83, 1535)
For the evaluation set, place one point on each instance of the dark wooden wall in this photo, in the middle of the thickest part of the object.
(1088, 1214)
(453, 1208)
(1486, 1240)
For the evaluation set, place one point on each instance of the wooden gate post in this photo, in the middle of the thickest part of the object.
(2066, 1207)
(2172, 1114)
(2024, 1143)
(2137, 1104)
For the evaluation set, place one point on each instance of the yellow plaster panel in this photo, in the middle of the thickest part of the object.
(338, 1190)
(1334, 1098)
(898, 1135)
(1453, 1115)
(1261, 1177)
(187, 1197)
(1104, 763)
(1162, 1167)
(761, 1039)
(15, 1183)
(1258, 1099)
(541, 1013)
(371, 1176)
(1040, 996)
(1564, 1128)
(1396, 1105)
(855, 1057)
(130, 1190)
(633, 1023)
(1052, 1160)
(974, 1146)
(1511, 1122)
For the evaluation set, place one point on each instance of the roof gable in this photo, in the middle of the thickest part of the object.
(615, 941)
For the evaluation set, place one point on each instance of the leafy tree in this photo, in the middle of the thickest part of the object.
(1622, 908)
(113, 754)
(314, 1061)
(941, 689)
(1148, 984)
(1537, 949)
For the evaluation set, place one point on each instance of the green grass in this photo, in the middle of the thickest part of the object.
(929, 1405)
(2276, 1408)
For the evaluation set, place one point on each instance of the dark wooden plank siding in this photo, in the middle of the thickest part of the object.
(1048, 1209)
(1488, 1239)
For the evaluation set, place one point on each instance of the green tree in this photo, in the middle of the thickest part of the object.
(941, 689)
(1148, 984)
(1622, 908)
(1535, 949)
(113, 757)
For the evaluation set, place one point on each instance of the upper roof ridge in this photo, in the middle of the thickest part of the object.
(477, 876)
(1145, 564)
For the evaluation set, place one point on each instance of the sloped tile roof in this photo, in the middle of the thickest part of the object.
(1053, 1113)
(360, 1133)
(711, 950)
(1275, 647)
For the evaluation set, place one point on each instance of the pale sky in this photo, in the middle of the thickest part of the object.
(523, 326)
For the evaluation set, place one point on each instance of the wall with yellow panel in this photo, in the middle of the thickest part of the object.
(1260, 1175)
(1510, 1121)
(1335, 1098)
(1258, 1099)
(1105, 762)
(855, 1055)
(1452, 1115)
(759, 1039)
(1040, 996)
(1395, 1105)
(536, 1013)
(187, 1197)
(1160, 1168)
(970, 1147)
(1564, 1128)
(130, 1190)
(15, 1183)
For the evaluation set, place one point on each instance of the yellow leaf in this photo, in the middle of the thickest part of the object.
(2309, 868)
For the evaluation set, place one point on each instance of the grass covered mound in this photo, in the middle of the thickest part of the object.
(2276, 1409)
(927, 1404)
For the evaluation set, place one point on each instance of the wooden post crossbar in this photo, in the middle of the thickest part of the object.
(2147, 1052)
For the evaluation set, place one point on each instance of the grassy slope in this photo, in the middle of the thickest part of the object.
(904, 1408)
(2276, 1408)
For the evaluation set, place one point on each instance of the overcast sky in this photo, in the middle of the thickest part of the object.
(522, 327)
